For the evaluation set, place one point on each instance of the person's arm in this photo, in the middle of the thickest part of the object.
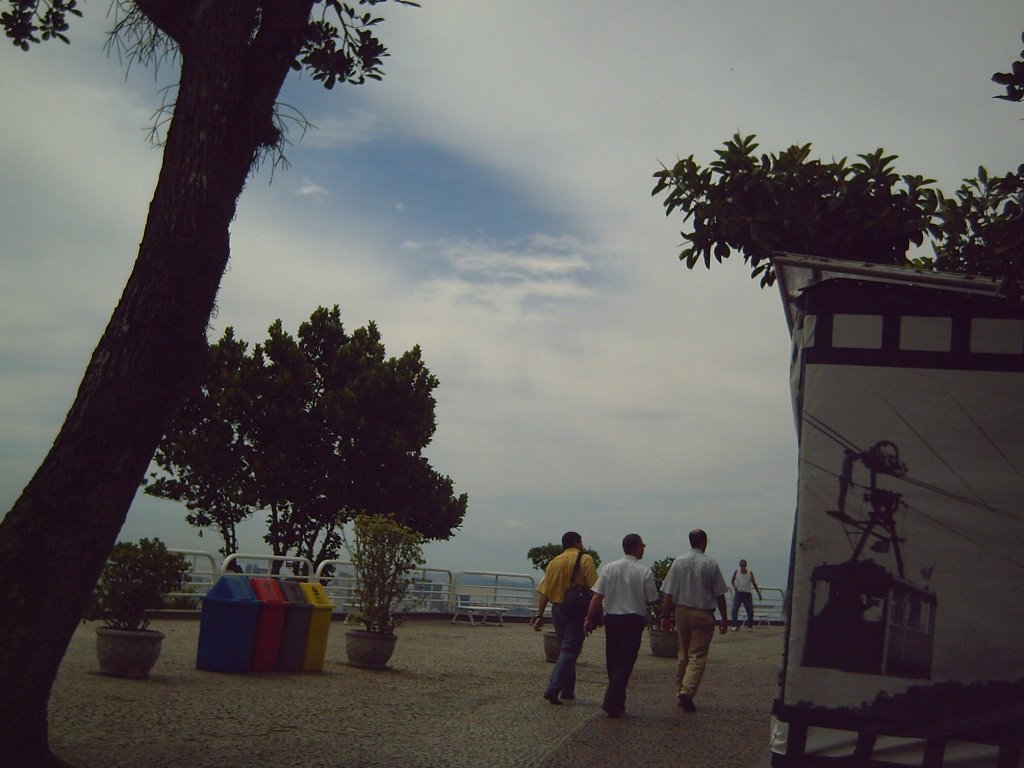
(734, 580)
(589, 571)
(594, 612)
(723, 626)
(754, 582)
(651, 596)
(538, 620)
(667, 608)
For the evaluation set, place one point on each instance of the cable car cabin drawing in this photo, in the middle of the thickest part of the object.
(863, 618)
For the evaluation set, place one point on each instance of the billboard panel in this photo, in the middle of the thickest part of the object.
(905, 643)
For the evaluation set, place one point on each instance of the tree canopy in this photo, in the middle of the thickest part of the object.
(542, 556)
(313, 429)
(789, 201)
(760, 204)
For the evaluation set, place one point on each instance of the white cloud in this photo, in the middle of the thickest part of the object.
(311, 188)
(330, 131)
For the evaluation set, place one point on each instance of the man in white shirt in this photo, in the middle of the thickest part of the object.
(693, 587)
(742, 582)
(622, 592)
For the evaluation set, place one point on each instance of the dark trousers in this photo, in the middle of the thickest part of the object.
(623, 634)
(570, 634)
(747, 601)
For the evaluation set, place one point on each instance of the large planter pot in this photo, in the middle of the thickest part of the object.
(126, 652)
(664, 644)
(552, 646)
(369, 650)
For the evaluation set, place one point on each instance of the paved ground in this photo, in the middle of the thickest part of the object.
(455, 696)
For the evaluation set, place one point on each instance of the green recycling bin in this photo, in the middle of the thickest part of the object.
(292, 655)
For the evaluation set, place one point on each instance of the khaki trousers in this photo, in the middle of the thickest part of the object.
(695, 629)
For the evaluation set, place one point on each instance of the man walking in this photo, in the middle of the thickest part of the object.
(557, 578)
(742, 581)
(693, 587)
(622, 592)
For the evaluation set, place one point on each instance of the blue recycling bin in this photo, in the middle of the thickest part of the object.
(227, 626)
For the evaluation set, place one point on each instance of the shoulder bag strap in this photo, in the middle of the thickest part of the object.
(576, 569)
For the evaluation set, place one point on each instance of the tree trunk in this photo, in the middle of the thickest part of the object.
(56, 537)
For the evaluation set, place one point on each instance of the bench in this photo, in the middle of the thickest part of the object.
(475, 602)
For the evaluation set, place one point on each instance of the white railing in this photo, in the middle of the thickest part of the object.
(432, 590)
(516, 592)
(771, 608)
(202, 573)
(429, 588)
(299, 567)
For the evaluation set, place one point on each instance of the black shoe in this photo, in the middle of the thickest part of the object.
(553, 698)
(613, 713)
(568, 696)
(686, 702)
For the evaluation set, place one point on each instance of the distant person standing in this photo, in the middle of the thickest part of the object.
(622, 593)
(693, 587)
(742, 581)
(557, 578)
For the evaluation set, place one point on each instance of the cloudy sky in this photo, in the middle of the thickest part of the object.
(490, 201)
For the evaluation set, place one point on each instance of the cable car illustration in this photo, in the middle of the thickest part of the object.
(864, 618)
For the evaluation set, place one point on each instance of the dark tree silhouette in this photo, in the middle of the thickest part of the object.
(234, 56)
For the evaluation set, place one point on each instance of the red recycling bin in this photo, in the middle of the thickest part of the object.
(269, 626)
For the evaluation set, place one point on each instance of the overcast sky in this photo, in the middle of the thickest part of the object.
(490, 201)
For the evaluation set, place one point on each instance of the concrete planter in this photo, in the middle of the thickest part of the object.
(369, 650)
(126, 652)
(664, 644)
(552, 646)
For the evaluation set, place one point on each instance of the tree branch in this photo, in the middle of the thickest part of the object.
(169, 16)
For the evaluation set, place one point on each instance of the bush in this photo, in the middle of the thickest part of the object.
(382, 553)
(134, 582)
(660, 570)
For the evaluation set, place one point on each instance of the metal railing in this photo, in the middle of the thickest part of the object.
(516, 592)
(203, 571)
(431, 590)
(770, 609)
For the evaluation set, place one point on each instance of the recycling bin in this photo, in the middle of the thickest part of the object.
(295, 632)
(227, 626)
(269, 625)
(319, 624)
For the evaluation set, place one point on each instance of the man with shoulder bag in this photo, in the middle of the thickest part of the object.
(566, 585)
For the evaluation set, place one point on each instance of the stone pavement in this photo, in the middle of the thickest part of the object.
(455, 696)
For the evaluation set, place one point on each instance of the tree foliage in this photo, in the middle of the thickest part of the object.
(542, 556)
(758, 205)
(312, 429)
(1013, 80)
(980, 230)
(864, 210)
(205, 454)
(338, 43)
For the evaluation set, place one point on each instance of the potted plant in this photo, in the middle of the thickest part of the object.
(134, 582)
(382, 553)
(663, 643)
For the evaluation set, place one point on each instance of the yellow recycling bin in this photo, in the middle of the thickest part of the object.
(319, 624)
